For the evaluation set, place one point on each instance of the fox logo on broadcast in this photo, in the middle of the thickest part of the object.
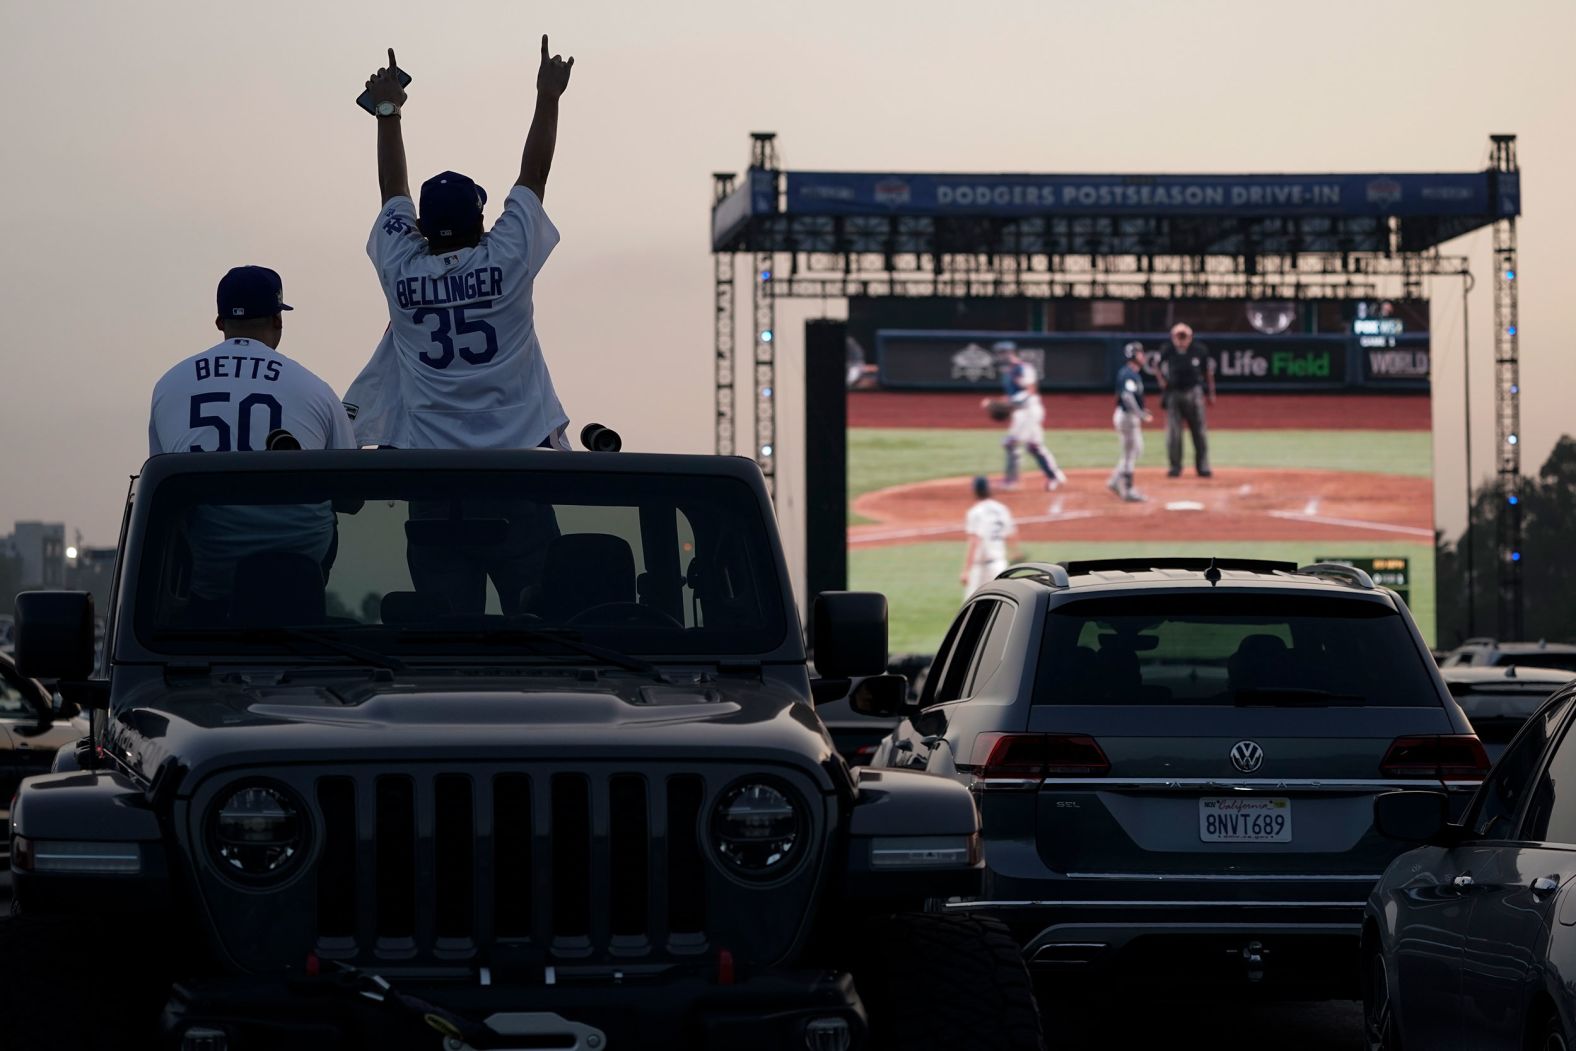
(1384, 191)
(893, 192)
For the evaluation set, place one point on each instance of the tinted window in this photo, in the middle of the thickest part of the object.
(13, 701)
(994, 648)
(1551, 811)
(420, 562)
(953, 676)
(1221, 648)
(1494, 811)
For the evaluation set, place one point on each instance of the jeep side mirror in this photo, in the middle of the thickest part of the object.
(1412, 817)
(54, 634)
(849, 633)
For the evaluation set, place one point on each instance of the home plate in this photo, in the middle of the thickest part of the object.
(1184, 505)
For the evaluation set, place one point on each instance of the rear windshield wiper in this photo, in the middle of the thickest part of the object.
(1289, 695)
(539, 640)
(292, 638)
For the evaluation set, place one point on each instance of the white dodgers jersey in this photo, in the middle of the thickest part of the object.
(992, 524)
(228, 398)
(470, 370)
(231, 396)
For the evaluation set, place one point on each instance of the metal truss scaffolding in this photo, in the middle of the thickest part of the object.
(1507, 401)
(723, 333)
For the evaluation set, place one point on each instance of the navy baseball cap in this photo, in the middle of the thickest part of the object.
(251, 292)
(450, 203)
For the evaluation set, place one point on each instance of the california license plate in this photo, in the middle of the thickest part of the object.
(1234, 819)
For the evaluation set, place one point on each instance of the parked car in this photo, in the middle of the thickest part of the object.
(1499, 699)
(1469, 940)
(31, 731)
(1494, 654)
(1175, 761)
(487, 749)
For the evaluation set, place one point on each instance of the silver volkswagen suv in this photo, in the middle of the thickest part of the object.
(1175, 762)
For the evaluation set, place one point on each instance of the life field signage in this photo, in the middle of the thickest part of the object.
(1393, 573)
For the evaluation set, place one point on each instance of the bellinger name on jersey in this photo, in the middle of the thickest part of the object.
(484, 282)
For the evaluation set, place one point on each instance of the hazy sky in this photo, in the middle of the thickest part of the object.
(148, 147)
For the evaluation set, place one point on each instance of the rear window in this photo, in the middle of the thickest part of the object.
(1225, 649)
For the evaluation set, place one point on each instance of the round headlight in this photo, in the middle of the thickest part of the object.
(257, 832)
(758, 830)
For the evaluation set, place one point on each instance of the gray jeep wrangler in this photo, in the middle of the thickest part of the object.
(480, 750)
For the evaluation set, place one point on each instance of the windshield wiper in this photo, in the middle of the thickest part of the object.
(1273, 695)
(539, 639)
(291, 638)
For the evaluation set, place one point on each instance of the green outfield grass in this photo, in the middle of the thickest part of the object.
(879, 457)
(922, 589)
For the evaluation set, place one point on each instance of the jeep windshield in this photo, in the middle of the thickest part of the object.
(541, 565)
(1219, 648)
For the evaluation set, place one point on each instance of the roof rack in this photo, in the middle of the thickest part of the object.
(1140, 564)
(1049, 573)
(1350, 574)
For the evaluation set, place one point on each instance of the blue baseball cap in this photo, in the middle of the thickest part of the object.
(450, 202)
(251, 292)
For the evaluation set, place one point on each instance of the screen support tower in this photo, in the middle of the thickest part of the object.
(1507, 395)
(723, 333)
(763, 158)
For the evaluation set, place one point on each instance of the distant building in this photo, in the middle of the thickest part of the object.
(93, 572)
(42, 548)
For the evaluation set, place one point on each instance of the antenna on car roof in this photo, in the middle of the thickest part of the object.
(1212, 573)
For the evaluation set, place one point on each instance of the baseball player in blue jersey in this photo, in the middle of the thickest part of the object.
(1021, 382)
(233, 397)
(1129, 420)
(460, 365)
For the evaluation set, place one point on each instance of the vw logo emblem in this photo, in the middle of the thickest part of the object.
(1247, 756)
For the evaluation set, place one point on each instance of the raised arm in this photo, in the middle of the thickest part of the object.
(537, 159)
(385, 87)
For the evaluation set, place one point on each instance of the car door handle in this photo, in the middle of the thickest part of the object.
(1545, 885)
(1462, 883)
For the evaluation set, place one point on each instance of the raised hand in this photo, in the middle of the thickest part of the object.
(385, 85)
(553, 75)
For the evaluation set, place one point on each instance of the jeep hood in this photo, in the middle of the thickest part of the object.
(211, 726)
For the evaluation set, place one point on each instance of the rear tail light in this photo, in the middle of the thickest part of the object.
(1448, 757)
(1038, 756)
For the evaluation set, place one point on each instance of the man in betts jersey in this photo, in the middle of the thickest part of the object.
(1026, 428)
(462, 336)
(231, 397)
(988, 525)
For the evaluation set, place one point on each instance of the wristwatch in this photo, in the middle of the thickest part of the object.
(386, 109)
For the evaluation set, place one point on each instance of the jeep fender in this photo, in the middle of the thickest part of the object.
(87, 840)
(912, 834)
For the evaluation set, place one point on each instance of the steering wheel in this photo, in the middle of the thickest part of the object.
(625, 613)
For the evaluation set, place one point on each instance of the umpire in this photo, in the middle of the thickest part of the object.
(1187, 381)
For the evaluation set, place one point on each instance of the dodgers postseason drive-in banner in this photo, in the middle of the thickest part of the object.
(862, 193)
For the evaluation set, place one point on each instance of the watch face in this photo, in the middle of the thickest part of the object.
(386, 109)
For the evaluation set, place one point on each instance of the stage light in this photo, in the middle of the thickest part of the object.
(766, 450)
(1514, 500)
(1512, 439)
(766, 392)
(71, 552)
(1515, 556)
(1511, 331)
(1515, 388)
(766, 275)
(766, 335)
(1510, 275)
